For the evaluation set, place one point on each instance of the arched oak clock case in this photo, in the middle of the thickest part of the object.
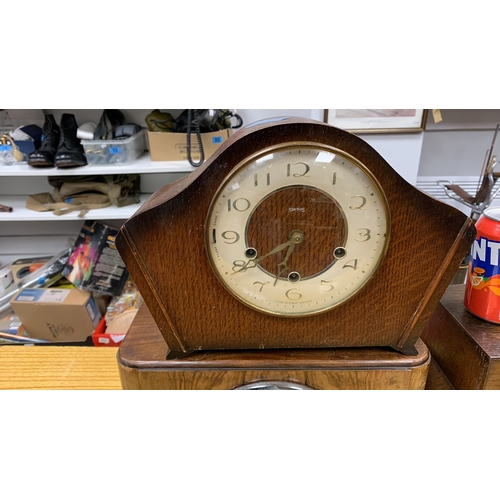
(267, 278)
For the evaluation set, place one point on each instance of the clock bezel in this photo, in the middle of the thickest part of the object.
(280, 148)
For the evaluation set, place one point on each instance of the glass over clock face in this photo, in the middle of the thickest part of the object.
(297, 229)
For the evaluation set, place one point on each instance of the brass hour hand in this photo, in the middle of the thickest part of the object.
(296, 236)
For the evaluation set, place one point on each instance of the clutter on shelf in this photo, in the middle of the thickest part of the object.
(170, 139)
(87, 192)
(120, 313)
(95, 264)
(9, 151)
(26, 274)
(6, 278)
(20, 134)
(37, 276)
(122, 150)
(83, 295)
(60, 147)
(113, 141)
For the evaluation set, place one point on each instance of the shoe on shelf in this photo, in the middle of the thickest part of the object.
(44, 155)
(70, 152)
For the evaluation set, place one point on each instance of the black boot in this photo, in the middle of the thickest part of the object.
(70, 152)
(44, 155)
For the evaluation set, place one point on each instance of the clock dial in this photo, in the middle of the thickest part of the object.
(297, 229)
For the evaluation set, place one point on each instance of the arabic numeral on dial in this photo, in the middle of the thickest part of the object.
(230, 237)
(352, 264)
(293, 294)
(334, 180)
(303, 174)
(262, 285)
(239, 265)
(364, 233)
(358, 207)
(326, 286)
(240, 205)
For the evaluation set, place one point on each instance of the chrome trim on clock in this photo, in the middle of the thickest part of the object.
(273, 385)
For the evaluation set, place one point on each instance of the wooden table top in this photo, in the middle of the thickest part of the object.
(485, 334)
(54, 367)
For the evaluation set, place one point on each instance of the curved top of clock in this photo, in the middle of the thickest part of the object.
(263, 134)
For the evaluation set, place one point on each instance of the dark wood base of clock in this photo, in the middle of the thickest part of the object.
(142, 364)
(465, 349)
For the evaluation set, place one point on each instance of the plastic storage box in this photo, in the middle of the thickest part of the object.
(115, 151)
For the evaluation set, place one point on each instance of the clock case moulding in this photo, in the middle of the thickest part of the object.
(163, 247)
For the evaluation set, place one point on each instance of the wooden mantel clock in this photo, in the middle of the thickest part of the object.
(293, 235)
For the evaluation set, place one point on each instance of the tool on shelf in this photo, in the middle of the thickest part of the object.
(487, 189)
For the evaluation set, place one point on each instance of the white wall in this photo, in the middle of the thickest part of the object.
(401, 151)
(457, 145)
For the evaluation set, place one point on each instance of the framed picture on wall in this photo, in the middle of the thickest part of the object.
(377, 120)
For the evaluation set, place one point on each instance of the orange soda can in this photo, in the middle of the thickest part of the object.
(482, 289)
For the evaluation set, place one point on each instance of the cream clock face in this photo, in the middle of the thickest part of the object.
(297, 229)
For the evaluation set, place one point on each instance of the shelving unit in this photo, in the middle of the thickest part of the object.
(143, 165)
(22, 214)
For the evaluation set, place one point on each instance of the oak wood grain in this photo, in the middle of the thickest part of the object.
(436, 379)
(163, 248)
(380, 379)
(57, 368)
(142, 365)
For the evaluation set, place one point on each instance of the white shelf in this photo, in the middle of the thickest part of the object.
(21, 213)
(143, 165)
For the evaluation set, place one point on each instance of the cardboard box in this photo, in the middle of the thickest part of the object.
(169, 146)
(56, 314)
